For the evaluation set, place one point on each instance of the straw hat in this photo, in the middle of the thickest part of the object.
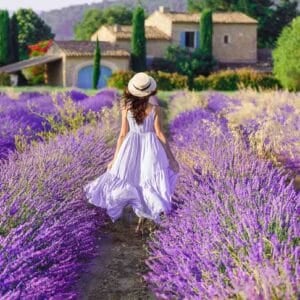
(141, 85)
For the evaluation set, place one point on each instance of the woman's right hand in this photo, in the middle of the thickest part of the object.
(174, 165)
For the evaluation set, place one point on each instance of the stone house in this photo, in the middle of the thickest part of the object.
(234, 34)
(157, 40)
(70, 63)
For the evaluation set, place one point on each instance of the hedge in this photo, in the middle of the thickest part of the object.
(4, 79)
(165, 81)
(229, 80)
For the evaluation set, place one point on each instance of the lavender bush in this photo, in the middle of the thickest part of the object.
(47, 230)
(37, 116)
(235, 232)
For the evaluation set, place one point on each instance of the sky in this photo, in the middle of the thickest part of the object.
(38, 5)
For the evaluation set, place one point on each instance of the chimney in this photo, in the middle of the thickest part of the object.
(163, 9)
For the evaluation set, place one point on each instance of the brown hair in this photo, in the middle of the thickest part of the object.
(137, 105)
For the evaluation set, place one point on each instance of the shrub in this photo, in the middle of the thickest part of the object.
(269, 82)
(119, 80)
(47, 230)
(190, 64)
(234, 232)
(165, 81)
(169, 81)
(200, 83)
(159, 63)
(230, 80)
(287, 56)
(4, 79)
(225, 80)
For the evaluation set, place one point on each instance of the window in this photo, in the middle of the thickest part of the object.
(190, 39)
(226, 39)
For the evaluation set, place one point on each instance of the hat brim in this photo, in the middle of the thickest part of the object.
(138, 93)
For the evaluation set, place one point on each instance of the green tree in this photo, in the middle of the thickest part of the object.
(243, 6)
(14, 43)
(284, 13)
(190, 64)
(222, 5)
(31, 29)
(206, 31)
(287, 56)
(97, 65)
(4, 37)
(138, 41)
(94, 18)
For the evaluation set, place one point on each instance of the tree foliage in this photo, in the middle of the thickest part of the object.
(206, 31)
(138, 41)
(189, 63)
(31, 29)
(97, 65)
(222, 5)
(287, 56)
(94, 18)
(4, 37)
(14, 43)
(272, 16)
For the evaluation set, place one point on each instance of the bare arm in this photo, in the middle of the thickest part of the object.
(161, 136)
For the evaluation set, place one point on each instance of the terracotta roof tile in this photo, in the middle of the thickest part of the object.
(86, 48)
(218, 17)
(123, 32)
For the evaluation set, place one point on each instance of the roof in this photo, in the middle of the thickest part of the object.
(218, 17)
(123, 32)
(23, 64)
(86, 48)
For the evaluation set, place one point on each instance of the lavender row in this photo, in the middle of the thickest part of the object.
(31, 113)
(235, 232)
(47, 229)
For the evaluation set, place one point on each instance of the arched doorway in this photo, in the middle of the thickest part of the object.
(85, 77)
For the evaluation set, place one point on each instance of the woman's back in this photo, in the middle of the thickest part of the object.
(148, 123)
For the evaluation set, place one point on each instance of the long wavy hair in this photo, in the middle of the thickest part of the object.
(137, 105)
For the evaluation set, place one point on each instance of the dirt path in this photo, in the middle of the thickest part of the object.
(114, 273)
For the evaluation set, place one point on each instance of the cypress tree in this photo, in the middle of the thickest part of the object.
(14, 44)
(206, 31)
(138, 40)
(97, 64)
(4, 37)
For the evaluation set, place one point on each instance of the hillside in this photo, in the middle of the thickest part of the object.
(62, 21)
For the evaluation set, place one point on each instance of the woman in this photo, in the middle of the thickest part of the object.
(143, 171)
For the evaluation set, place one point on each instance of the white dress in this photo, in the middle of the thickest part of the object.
(140, 175)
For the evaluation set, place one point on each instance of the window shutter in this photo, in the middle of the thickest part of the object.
(197, 38)
(182, 39)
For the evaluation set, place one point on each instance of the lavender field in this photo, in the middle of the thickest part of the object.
(234, 230)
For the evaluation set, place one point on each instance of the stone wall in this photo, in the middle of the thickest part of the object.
(163, 23)
(242, 43)
(155, 48)
(74, 63)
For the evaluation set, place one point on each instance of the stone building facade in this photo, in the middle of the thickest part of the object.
(234, 34)
(70, 63)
